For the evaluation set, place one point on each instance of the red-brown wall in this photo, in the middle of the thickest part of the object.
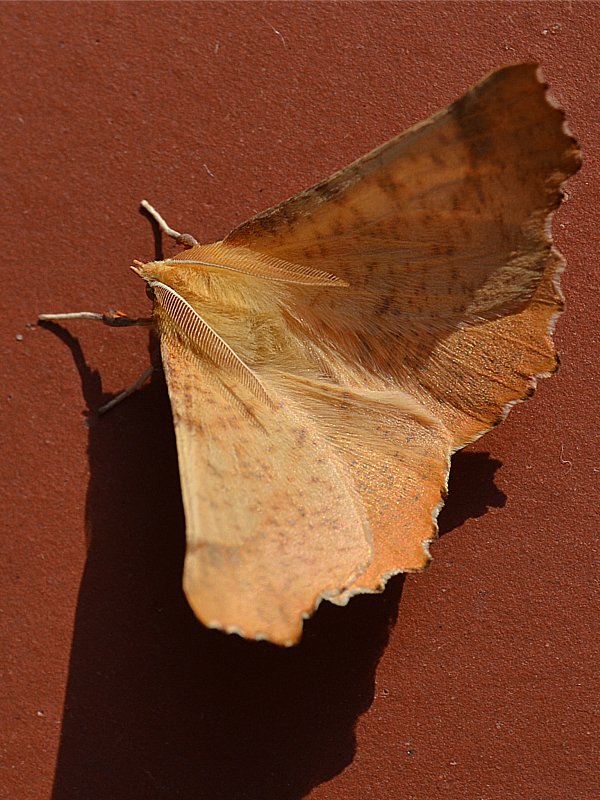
(474, 680)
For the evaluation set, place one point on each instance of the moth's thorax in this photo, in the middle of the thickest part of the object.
(243, 309)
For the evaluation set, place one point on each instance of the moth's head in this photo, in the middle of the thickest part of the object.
(186, 281)
(152, 271)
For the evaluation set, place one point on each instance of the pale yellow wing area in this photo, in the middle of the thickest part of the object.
(273, 523)
(443, 237)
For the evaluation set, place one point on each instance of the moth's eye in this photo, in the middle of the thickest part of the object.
(150, 292)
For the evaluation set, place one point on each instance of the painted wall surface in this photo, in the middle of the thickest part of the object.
(475, 680)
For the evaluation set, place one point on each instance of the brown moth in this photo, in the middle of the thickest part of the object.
(328, 356)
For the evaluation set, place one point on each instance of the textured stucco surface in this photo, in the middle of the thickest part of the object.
(475, 680)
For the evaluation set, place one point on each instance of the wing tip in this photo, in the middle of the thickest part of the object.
(533, 71)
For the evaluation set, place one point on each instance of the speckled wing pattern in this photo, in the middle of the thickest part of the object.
(272, 521)
(443, 234)
(442, 237)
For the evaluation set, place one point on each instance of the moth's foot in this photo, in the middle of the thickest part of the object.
(114, 319)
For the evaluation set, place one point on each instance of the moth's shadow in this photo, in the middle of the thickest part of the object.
(159, 707)
(471, 489)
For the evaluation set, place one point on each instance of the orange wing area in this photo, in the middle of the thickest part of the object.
(443, 236)
(475, 374)
(398, 458)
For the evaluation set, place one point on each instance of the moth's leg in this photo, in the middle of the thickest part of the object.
(185, 239)
(126, 392)
(114, 319)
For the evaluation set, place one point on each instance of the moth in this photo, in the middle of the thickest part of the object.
(327, 357)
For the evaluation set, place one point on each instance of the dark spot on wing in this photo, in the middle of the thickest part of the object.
(384, 305)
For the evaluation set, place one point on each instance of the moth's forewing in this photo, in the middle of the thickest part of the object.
(443, 236)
